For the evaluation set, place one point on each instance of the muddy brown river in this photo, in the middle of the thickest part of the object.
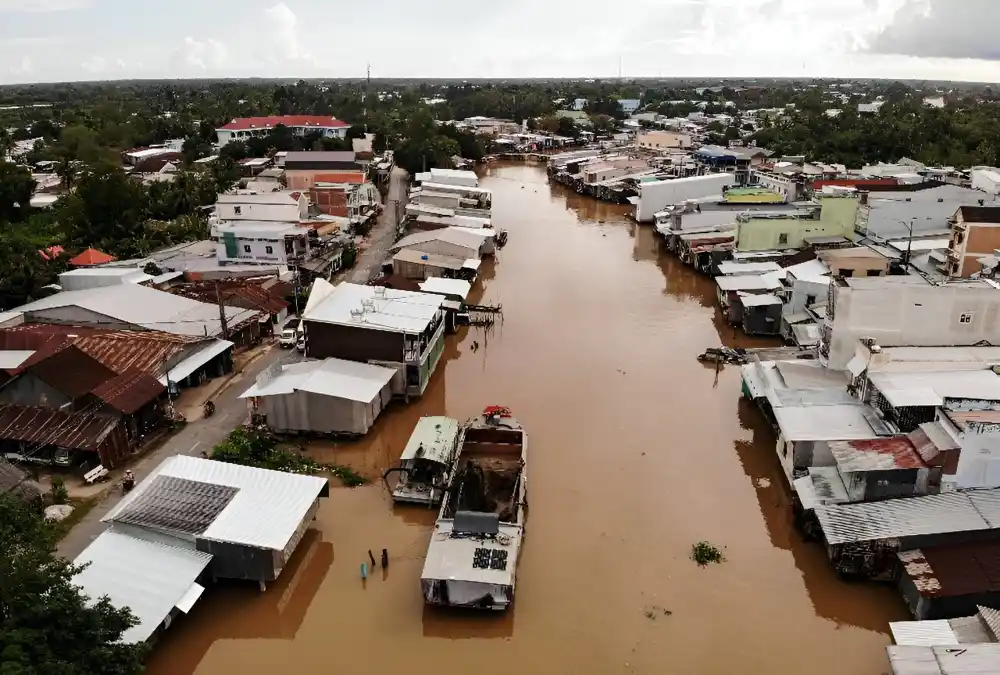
(637, 451)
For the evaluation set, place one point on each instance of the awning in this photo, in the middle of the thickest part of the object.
(190, 597)
(857, 366)
(472, 264)
(196, 361)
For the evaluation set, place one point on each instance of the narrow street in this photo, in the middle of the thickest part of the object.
(384, 233)
(200, 435)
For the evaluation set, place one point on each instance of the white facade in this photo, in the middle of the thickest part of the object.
(260, 243)
(654, 196)
(906, 310)
(227, 135)
(273, 207)
(986, 180)
(454, 177)
(783, 185)
(629, 105)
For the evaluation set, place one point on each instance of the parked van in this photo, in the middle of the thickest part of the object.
(288, 338)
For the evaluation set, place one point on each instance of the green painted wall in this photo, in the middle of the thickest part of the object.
(837, 216)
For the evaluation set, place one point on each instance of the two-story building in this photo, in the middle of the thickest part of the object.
(243, 128)
(662, 140)
(261, 242)
(303, 170)
(275, 207)
(975, 233)
(399, 329)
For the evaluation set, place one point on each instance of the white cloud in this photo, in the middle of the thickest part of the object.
(206, 54)
(34, 6)
(958, 29)
(283, 36)
(95, 65)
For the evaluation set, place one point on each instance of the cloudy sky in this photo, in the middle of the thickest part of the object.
(56, 40)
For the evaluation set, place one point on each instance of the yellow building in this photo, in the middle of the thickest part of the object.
(834, 216)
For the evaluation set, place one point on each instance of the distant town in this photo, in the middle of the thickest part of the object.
(229, 313)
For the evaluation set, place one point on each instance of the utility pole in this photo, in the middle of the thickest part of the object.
(222, 312)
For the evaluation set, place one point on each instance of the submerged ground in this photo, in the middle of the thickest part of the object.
(636, 452)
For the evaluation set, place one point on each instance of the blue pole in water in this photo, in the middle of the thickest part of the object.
(364, 570)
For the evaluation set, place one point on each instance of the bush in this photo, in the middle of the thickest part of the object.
(59, 493)
(704, 553)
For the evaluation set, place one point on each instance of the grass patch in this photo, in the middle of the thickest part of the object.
(704, 553)
(81, 507)
(252, 447)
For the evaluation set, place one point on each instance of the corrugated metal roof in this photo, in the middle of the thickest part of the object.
(880, 454)
(895, 518)
(45, 426)
(266, 510)
(72, 372)
(433, 438)
(338, 378)
(824, 423)
(924, 388)
(148, 577)
(923, 633)
(983, 659)
(377, 308)
(196, 360)
(747, 282)
(177, 505)
(970, 630)
(130, 391)
(990, 617)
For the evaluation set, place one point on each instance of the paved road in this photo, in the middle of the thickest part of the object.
(383, 235)
(196, 437)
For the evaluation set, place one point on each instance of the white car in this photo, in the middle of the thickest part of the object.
(288, 338)
(301, 344)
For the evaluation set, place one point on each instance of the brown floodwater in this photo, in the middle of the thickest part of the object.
(637, 451)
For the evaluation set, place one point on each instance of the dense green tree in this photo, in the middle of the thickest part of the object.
(47, 626)
(16, 188)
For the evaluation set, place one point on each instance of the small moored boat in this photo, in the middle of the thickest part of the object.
(426, 461)
(476, 543)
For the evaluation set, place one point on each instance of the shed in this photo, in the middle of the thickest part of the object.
(943, 582)
(333, 396)
(153, 577)
(881, 468)
(760, 314)
(250, 520)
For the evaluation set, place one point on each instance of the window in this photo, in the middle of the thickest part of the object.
(782, 238)
(874, 273)
(810, 300)
(246, 248)
(238, 210)
(269, 249)
(966, 317)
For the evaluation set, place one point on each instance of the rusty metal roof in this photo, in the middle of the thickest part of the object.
(880, 454)
(130, 391)
(944, 571)
(45, 426)
(72, 372)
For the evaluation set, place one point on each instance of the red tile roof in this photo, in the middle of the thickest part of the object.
(318, 121)
(130, 391)
(91, 257)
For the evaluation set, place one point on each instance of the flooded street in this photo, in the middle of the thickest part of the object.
(637, 451)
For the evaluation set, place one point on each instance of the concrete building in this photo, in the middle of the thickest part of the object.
(857, 261)
(399, 329)
(273, 207)
(241, 129)
(456, 242)
(332, 396)
(629, 105)
(258, 242)
(662, 140)
(986, 179)
(924, 212)
(783, 230)
(906, 310)
(655, 196)
(303, 170)
(975, 233)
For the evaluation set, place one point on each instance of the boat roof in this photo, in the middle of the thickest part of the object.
(436, 435)
(451, 558)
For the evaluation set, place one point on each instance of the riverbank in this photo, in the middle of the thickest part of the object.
(637, 452)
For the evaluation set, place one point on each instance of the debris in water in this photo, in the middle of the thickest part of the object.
(385, 557)
(372, 558)
(653, 612)
(364, 570)
(704, 553)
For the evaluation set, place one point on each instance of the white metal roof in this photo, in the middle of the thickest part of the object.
(974, 659)
(12, 358)
(148, 576)
(256, 228)
(447, 262)
(747, 282)
(146, 307)
(280, 197)
(450, 558)
(730, 268)
(923, 633)
(824, 423)
(930, 388)
(442, 286)
(265, 512)
(377, 308)
(751, 300)
(436, 435)
(459, 236)
(338, 378)
(895, 518)
(195, 361)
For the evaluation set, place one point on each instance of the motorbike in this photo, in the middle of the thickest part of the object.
(209, 408)
(127, 485)
(724, 355)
